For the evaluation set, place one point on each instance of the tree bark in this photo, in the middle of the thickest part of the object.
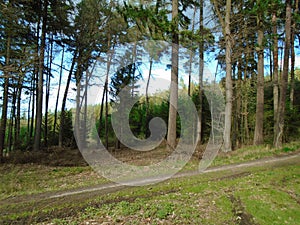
(64, 101)
(11, 121)
(18, 114)
(275, 67)
(105, 90)
(39, 108)
(58, 91)
(201, 71)
(293, 30)
(171, 137)
(78, 125)
(278, 137)
(192, 52)
(5, 99)
(48, 82)
(106, 115)
(228, 80)
(259, 119)
(228, 86)
(101, 111)
(237, 120)
(147, 100)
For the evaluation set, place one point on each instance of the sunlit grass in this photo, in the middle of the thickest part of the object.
(254, 152)
(27, 179)
(32, 179)
(251, 197)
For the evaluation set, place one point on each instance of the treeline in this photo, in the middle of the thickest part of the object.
(53, 43)
(243, 122)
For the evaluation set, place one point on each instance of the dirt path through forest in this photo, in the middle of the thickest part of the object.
(35, 208)
(111, 187)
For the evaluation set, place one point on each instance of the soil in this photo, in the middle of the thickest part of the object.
(56, 156)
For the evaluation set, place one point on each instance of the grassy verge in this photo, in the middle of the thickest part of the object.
(253, 153)
(246, 154)
(17, 180)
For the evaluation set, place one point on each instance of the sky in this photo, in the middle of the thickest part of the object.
(160, 80)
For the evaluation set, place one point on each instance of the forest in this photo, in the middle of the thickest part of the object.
(49, 50)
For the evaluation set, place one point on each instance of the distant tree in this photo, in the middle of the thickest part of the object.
(124, 80)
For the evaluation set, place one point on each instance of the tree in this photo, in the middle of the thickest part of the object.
(171, 137)
(293, 32)
(124, 80)
(279, 127)
(39, 102)
(15, 58)
(85, 43)
(228, 82)
(275, 64)
(259, 119)
(5, 98)
(201, 70)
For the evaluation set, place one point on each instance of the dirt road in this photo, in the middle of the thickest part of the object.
(31, 207)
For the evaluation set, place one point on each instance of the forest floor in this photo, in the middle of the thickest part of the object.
(239, 188)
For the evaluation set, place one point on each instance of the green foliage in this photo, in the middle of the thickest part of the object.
(68, 135)
(125, 79)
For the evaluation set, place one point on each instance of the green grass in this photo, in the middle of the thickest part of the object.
(253, 153)
(265, 196)
(32, 179)
(27, 179)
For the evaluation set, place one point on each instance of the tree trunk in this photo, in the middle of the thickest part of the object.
(58, 91)
(237, 120)
(18, 114)
(259, 119)
(11, 121)
(105, 89)
(293, 30)
(171, 137)
(28, 116)
(106, 115)
(78, 124)
(5, 99)
(271, 63)
(201, 71)
(245, 98)
(101, 112)
(228, 80)
(34, 86)
(48, 82)
(39, 109)
(64, 101)
(228, 86)
(191, 53)
(275, 69)
(283, 87)
(85, 115)
(147, 101)
(33, 108)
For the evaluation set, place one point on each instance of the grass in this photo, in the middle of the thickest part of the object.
(260, 196)
(28, 179)
(253, 153)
